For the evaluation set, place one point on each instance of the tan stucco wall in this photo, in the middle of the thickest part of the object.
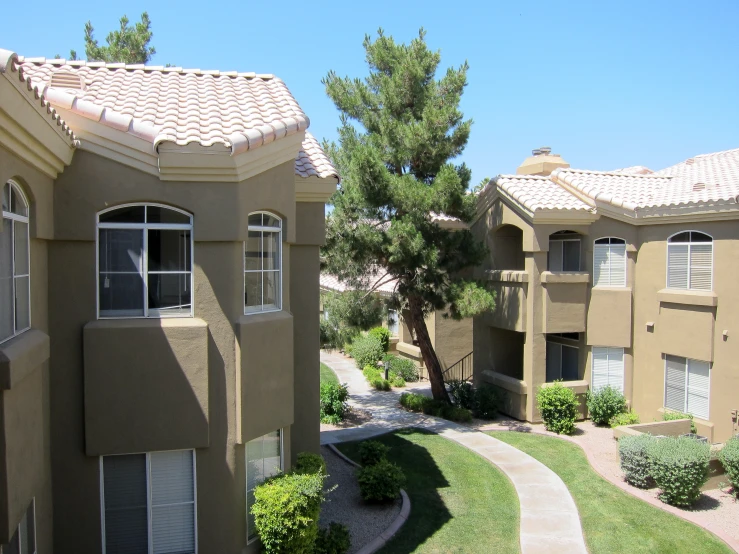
(609, 317)
(452, 339)
(564, 307)
(510, 306)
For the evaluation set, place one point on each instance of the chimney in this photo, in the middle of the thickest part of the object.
(541, 162)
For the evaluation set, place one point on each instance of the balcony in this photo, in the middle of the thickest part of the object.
(565, 301)
(511, 288)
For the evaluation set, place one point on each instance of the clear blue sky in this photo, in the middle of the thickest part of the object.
(605, 84)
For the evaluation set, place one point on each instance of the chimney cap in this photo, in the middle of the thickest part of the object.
(546, 150)
(536, 151)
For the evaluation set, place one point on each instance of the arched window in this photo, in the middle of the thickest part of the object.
(690, 261)
(263, 264)
(609, 262)
(144, 262)
(15, 270)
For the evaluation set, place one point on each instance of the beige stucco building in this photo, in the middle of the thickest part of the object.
(624, 278)
(158, 303)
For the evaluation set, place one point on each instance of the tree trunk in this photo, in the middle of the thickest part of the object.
(430, 360)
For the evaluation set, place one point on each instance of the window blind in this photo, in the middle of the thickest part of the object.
(124, 483)
(677, 266)
(607, 368)
(687, 386)
(701, 263)
(172, 502)
(698, 387)
(609, 265)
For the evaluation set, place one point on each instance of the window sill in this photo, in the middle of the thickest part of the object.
(21, 355)
(578, 387)
(557, 277)
(411, 350)
(508, 276)
(689, 297)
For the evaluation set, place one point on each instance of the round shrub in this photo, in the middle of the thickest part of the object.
(487, 402)
(633, 452)
(626, 418)
(605, 404)
(558, 408)
(367, 350)
(334, 540)
(380, 482)
(309, 463)
(729, 458)
(333, 402)
(402, 366)
(381, 334)
(679, 467)
(372, 452)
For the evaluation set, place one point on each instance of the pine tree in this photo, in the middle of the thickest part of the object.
(396, 179)
(127, 45)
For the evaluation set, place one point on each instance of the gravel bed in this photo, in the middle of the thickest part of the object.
(345, 505)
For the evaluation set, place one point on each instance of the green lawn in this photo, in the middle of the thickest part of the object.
(612, 520)
(459, 501)
(328, 375)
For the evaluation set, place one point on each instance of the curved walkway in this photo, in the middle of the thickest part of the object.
(549, 519)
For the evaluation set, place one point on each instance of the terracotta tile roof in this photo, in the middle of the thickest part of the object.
(633, 170)
(536, 193)
(313, 161)
(331, 282)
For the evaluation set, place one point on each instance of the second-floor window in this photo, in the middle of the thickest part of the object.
(690, 261)
(15, 280)
(564, 252)
(609, 262)
(263, 264)
(145, 262)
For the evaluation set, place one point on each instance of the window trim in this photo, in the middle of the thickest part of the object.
(27, 220)
(689, 244)
(246, 479)
(626, 262)
(144, 227)
(687, 379)
(148, 494)
(263, 228)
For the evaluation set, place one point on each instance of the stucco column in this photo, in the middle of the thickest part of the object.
(535, 351)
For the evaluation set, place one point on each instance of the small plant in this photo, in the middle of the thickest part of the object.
(633, 453)
(626, 418)
(333, 402)
(380, 482)
(487, 402)
(729, 458)
(367, 350)
(461, 393)
(679, 467)
(402, 366)
(605, 404)
(375, 378)
(397, 380)
(413, 401)
(670, 415)
(438, 408)
(334, 540)
(381, 334)
(309, 463)
(372, 452)
(558, 408)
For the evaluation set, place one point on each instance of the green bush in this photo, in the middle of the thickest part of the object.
(558, 408)
(670, 415)
(380, 482)
(372, 452)
(309, 463)
(334, 540)
(487, 402)
(729, 458)
(626, 418)
(634, 455)
(461, 393)
(679, 467)
(381, 334)
(402, 366)
(413, 401)
(333, 402)
(438, 408)
(367, 350)
(286, 510)
(375, 378)
(396, 380)
(605, 404)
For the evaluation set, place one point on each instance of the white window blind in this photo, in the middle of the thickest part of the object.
(607, 368)
(687, 386)
(690, 261)
(609, 263)
(263, 460)
(172, 502)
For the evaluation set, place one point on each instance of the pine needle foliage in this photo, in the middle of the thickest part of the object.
(126, 45)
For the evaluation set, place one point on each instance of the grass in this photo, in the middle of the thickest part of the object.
(459, 501)
(328, 375)
(612, 520)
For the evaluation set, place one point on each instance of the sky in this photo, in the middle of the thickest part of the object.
(605, 84)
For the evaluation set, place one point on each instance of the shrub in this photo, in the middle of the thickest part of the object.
(558, 408)
(334, 540)
(438, 408)
(380, 482)
(487, 402)
(309, 463)
(605, 404)
(403, 366)
(286, 510)
(633, 452)
(367, 350)
(381, 334)
(626, 418)
(375, 378)
(729, 458)
(669, 415)
(461, 393)
(372, 452)
(679, 467)
(333, 402)
(397, 380)
(413, 402)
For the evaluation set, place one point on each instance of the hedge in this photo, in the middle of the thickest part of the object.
(366, 350)
(679, 467)
(438, 408)
(633, 452)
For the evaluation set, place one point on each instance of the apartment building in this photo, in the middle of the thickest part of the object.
(158, 303)
(624, 278)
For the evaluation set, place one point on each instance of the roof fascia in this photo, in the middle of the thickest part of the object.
(314, 188)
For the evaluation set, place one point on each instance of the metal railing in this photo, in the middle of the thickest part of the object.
(461, 370)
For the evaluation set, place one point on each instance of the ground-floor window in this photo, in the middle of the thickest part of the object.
(23, 540)
(607, 368)
(392, 322)
(149, 503)
(562, 362)
(263, 460)
(687, 385)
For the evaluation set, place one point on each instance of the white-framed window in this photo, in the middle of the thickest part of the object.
(149, 503)
(264, 459)
(609, 262)
(562, 362)
(564, 252)
(607, 368)
(144, 262)
(690, 261)
(263, 264)
(15, 266)
(687, 386)
(392, 322)
(23, 540)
